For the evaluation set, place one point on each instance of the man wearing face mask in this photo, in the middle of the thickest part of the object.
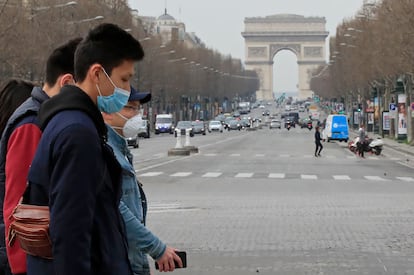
(74, 171)
(133, 205)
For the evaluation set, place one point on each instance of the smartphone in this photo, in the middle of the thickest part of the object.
(183, 257)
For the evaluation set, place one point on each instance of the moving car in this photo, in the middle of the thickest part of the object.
(144, 130)
(182, 125)
(275, 123)
(336, 128)
(215, 126)
(134, 141)
(198, 127)
(234, 125)
(164, 124)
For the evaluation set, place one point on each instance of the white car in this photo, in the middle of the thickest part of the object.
(215, 125)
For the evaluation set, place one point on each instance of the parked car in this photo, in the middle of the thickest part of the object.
(275, 123)
(215, 125)
(199, 127)
(182, 125)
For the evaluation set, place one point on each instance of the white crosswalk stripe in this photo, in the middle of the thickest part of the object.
(309, 177)
(150, 174)
(244, 175)
(181, 174)
(375, 178)
(276, 176)
(212, 175)
(405, 178)
(341, 177)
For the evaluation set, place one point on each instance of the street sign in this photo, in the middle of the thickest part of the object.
(393, 107)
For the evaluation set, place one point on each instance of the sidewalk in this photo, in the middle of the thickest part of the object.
(389, 143)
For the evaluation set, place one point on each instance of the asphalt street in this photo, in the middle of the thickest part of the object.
(259, 202)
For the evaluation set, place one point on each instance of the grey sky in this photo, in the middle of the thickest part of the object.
(219, 23)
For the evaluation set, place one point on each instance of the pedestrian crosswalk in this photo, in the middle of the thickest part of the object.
(276, 176)
(284, 155)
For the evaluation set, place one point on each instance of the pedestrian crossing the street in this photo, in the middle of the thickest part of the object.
(276, 176)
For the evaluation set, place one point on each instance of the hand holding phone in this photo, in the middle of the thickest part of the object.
(183, 257)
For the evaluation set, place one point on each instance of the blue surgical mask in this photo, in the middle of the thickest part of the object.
(115, 102)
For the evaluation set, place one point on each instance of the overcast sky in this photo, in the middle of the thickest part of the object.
(219, 23)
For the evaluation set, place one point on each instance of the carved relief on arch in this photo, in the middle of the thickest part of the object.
(313, 52)
(274, 48)
(256, 52)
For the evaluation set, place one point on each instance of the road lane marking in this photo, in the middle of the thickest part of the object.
(244, 175)
(284, 156)
(376, 178)
(210, 155)
(276, 176)
(309, 177)
(260, 155)
(150, 174)
(235, 155)
(181, 174)
(212, 175)
(341, 177)
(405, 178)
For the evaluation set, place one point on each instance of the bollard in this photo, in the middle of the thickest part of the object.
(187, 137)
(187, 145)
(178, 145)
(178, 150)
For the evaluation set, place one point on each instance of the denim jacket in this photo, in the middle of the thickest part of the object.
(141, 241)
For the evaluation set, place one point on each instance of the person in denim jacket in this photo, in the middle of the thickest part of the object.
(133, 205)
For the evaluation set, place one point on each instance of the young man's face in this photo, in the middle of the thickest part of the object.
(120, 77)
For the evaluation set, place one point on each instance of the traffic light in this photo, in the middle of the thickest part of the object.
(359, 107)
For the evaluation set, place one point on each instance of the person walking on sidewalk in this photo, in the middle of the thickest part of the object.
(318, 143)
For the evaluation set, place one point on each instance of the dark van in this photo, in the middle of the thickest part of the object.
(295, 115)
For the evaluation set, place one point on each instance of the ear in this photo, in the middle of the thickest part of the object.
(66, 79)
(94, 72)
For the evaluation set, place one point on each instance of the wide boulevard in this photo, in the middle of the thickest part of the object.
(259, 202)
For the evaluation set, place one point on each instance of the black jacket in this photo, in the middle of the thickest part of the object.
(318, 137)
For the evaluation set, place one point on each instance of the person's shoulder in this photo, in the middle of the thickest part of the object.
(75, 120)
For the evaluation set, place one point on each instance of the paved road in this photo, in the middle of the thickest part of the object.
(259, 203)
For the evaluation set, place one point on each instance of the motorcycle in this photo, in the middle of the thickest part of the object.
(309, 125)
(373, 146)
(288, 125)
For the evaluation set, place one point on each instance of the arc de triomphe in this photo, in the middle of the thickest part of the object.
(266, 36)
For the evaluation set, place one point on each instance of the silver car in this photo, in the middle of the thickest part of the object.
(274, 123)
(215, 126)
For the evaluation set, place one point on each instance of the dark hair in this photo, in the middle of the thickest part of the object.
(61, 61)
(108, 45)
(12, 94)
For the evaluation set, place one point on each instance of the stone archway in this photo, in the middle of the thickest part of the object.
(266, 36)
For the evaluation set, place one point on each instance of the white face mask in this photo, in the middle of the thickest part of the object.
(131, 126)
